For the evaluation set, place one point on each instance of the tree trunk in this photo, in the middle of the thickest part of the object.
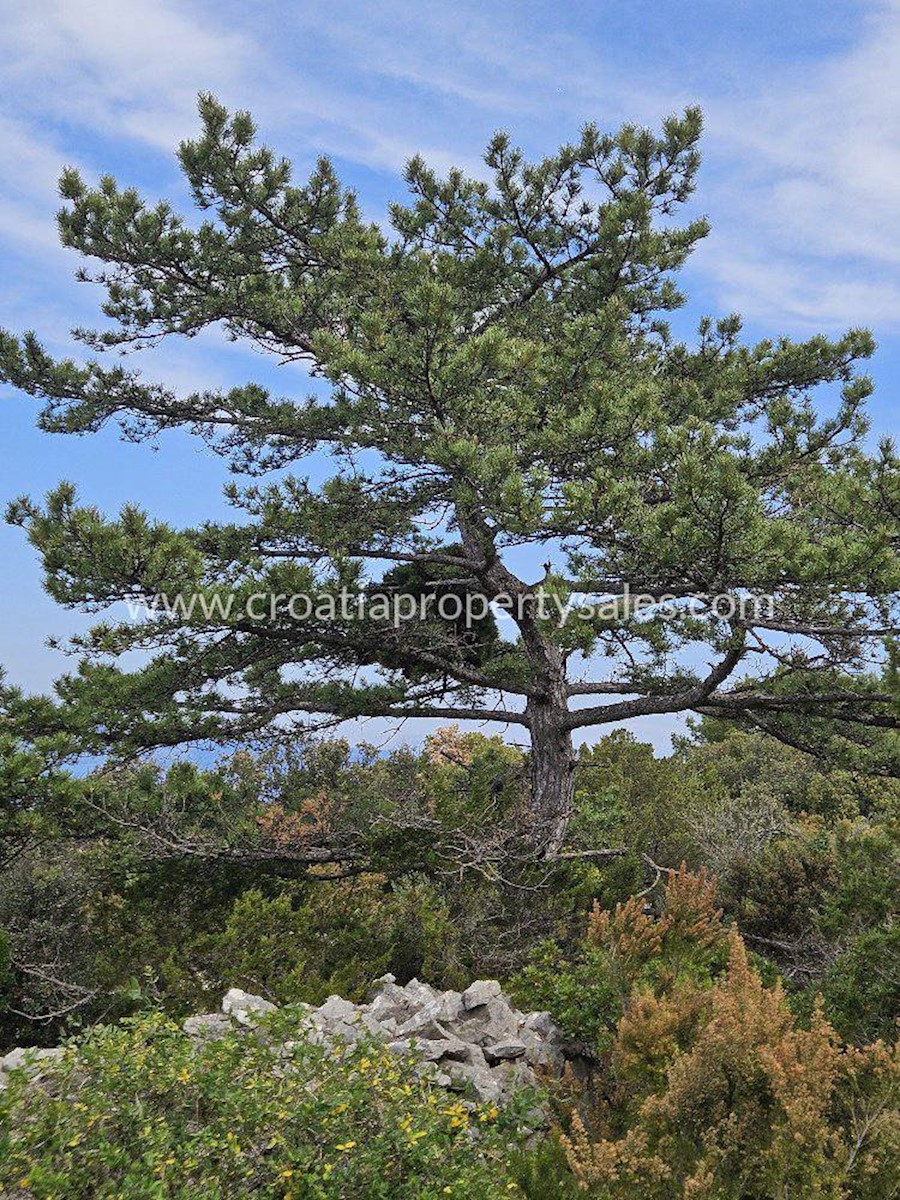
(552, 775)
(547, 709)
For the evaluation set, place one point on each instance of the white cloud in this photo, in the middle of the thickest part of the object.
(73, 70)
(808, 187)
(129, 68)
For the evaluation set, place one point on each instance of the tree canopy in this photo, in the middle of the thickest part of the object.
(492, 371)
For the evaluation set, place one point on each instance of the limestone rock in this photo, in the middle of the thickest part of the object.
(207, 1027)
(336, 1010)
(486, 1023)
(540, 1023)
(27, 1058)
(244, 1007)
(482, 991)
(511, 1048)
(423, 1025)
(481, 1080)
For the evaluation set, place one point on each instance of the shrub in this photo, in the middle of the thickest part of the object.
(137, 1112)
(711, 1089)
(751, 1106)
(312, 941)
(626, 950)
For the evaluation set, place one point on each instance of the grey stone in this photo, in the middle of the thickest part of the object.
(29, 1057)
(486, 1023)
(474, 1055)
(432, 1049)
(381, 984)
(14, 1059)
(389, 1007)
(336, 1010)
(244, 1007)
(453, 1048)
(345, 1031)
(471, 1075)
(390, 1002)
(513, 1076)
(540, 1023)
(541, 1053)
(446, 1006)
(482, 991)
(511, 1048)
(422, 1025)
(418, 994)
(207, 1027)
(382, 1030)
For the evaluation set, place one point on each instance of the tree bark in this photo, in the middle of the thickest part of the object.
(546, 712)
(552, 774)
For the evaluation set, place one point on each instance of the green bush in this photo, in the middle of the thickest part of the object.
(308, 942)
(137, 1112)
(586, 986)
(861, 990)
(580, 987)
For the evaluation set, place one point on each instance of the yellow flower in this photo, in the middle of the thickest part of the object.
(345, 1146)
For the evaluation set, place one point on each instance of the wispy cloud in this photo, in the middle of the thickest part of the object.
(129, 68)
(808, 187)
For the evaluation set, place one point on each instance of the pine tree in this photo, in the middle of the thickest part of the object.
(494, 371)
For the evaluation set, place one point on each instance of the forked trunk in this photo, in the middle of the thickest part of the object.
(552, 776)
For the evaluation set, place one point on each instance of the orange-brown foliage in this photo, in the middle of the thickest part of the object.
(737, 1101)
(312, 822)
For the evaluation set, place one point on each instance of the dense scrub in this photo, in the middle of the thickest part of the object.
(739, 1012)
(139, 887)
(704, 1084)
(139, 1111)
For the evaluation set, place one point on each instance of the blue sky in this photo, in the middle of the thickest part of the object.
(801, 176)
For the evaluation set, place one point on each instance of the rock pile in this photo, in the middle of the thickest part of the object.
(464, 1039)
(473, 1037)
(461, 1040)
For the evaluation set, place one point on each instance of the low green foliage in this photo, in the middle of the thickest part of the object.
(306, 943)
(136, 1112)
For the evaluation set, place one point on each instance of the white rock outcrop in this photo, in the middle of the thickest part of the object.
(462, 1040)
(472, 1040)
